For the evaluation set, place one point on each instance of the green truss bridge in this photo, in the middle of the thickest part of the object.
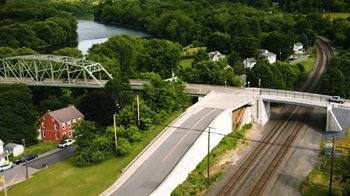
(54, 71)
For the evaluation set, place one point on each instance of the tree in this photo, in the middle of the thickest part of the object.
(124, 147)
(120, 91)
(159, 56)
(218, 42)
(164, 95)
(99, 107)
(71, 52)
(18, 115)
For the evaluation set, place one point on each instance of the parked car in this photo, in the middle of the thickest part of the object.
(6, 167)
(28, 157)
(66, 143)
(336, 99)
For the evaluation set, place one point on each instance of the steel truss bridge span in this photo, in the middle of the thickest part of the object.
(54, 71)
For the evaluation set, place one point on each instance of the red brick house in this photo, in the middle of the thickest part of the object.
(54, 124)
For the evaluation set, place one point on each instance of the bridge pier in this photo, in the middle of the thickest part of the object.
(261, 111)
(332, 123)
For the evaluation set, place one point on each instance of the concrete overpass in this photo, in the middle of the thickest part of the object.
(211, 117)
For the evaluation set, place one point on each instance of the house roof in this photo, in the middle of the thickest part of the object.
(298, 44)
(66, 114)
(268, 54)
(11, 146)
(250, 60)
(1, 142)
(213, 54)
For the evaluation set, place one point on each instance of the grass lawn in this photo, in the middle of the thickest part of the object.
(337, 15)
(66, 179)
(186, 62)
(308, 63)
(191, 51)
(317, 183)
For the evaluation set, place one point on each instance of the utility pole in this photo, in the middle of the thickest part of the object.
(115, 132)
(138, 109)
(331, 175)
(25, 155)
(209, 153)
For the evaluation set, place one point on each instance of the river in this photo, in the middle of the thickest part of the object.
(91, 32)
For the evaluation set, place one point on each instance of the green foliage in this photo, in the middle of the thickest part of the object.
(128, 116)
(64, 137)
(91, 149)
(11, 52)
(32, 24)
(165, 95)
(71, 52)
(18, 115)
(124, 147)
(335, 81)
(99, 107)
(197, 180)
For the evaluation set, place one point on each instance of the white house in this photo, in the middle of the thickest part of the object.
(16, 149)
(215, 56)
(249, 62)
(298, 48)
(271, 57)
(4, 159)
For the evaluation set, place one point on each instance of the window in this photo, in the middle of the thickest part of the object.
(63, 126)
(44, 134)
(55, 126)
(70, 133)
(52, 119)
(42, 125)
(69, 125)
(64, 133)
(56, 136)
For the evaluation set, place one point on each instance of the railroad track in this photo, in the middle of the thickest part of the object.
(284, 143)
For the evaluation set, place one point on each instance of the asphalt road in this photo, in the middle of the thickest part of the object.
(157, 167)
(19, 173)
(61, 155)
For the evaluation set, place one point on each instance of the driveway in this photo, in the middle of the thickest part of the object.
(299, 59)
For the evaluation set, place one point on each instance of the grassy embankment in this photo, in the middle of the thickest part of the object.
(317, 182)
(65, 178)
(197, 182)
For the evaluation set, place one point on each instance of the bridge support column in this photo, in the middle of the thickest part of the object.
(261, 111)
(332, 122)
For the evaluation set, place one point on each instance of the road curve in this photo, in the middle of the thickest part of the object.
(160, 163)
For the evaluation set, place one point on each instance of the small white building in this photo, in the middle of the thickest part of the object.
(271, 57)
(249, 62)
(215, 56)
(298, 48)
(15, 149)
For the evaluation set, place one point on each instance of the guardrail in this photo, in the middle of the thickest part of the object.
(294, 94)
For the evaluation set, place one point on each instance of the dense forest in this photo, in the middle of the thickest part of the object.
(34, 24)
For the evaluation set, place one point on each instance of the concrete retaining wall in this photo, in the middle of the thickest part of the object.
(222, 124)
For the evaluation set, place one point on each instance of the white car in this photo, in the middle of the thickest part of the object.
(66, 143)
(6, 167)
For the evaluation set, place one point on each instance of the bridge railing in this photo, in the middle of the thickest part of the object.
(294, 94)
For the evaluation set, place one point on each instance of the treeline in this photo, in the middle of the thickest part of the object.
(336, 80)
(307, 6)
(224, 26)
(34, 24)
